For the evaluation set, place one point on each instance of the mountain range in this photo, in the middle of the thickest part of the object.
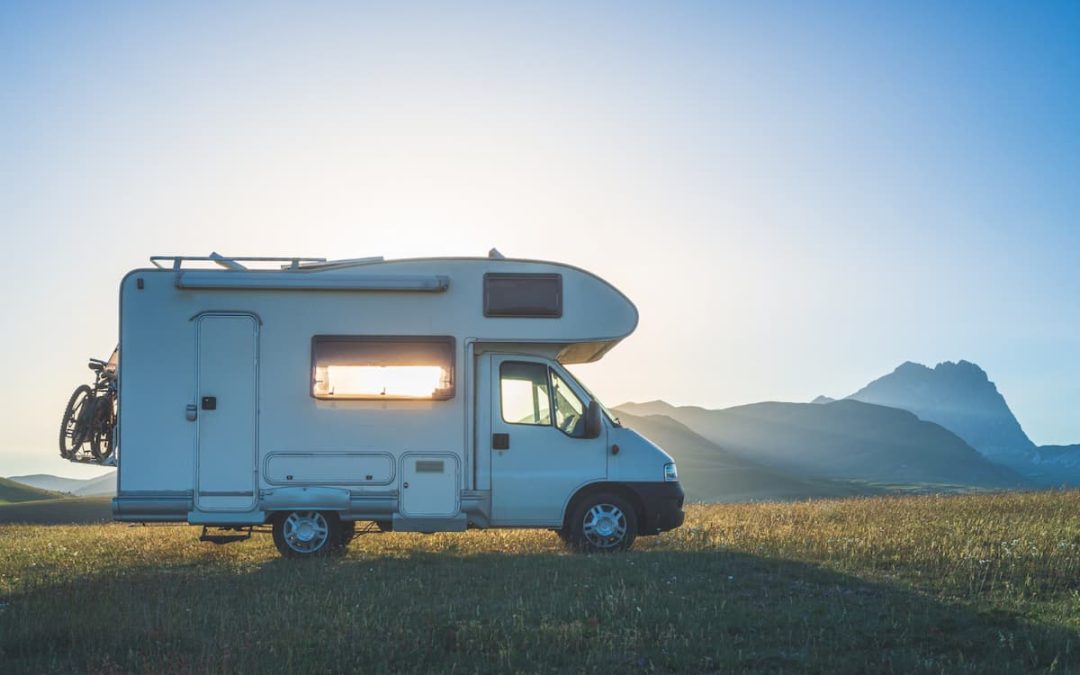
(709, 472)
(960, 397)
(942, 428)
(859, 443)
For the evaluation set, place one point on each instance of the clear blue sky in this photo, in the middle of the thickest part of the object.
(797, 196)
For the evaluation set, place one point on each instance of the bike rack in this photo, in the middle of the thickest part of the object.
(84, 457)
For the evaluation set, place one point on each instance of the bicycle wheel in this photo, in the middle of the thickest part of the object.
(75, 427)
(101, 438)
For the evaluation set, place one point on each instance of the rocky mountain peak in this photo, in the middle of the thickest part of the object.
(957, 395)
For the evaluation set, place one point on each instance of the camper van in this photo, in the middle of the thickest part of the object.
(421, 395)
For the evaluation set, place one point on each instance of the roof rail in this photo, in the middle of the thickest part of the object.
(346, 262)
(176, 262)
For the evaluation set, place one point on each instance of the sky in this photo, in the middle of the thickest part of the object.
(798, 197)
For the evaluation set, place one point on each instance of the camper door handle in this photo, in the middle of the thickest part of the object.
(191, 412)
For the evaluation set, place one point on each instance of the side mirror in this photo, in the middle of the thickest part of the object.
(593, 422)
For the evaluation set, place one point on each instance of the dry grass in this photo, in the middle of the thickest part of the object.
(906, 584)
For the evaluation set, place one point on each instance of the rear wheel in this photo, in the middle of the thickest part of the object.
(75, 427)
(306, 534)
(602, 523)
(101, 436)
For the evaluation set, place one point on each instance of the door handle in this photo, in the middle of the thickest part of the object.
(191, 412)
(500, 441)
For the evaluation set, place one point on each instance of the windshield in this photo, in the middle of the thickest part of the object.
(607, 413)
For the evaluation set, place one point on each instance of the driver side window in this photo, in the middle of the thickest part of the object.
(529, 394)
(524, 391)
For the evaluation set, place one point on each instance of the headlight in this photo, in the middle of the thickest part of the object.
(670, 472)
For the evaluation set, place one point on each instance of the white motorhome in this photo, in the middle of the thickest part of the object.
(424, 395)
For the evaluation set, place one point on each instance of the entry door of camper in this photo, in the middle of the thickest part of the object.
(226, 411)
(539, 456)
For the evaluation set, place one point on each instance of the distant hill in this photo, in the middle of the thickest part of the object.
(102, 486)
(99, 486)
(58, 511)
(847, 440)
(1054, 464)
(710, 473)
(958, 396)
(12, 492)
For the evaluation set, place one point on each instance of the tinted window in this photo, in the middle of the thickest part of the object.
(360, 367)
(523, 295)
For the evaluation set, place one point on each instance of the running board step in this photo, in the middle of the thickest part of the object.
(224, 536)
(455, 523)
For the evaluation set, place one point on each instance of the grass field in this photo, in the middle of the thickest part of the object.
(974, 583)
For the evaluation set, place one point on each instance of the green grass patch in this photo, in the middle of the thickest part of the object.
(973, 583)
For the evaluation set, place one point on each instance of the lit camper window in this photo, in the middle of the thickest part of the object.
(382, 367)
(523, 295)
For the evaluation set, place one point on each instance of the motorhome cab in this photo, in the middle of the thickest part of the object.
(422, 395)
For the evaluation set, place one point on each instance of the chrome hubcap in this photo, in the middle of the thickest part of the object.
(305, 531)
(605, 526)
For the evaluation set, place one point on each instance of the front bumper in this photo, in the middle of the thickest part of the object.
(662, 504)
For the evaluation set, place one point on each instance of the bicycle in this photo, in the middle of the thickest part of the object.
(90, 416)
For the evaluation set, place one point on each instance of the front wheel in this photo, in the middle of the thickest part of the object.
(602, 523)
(75, 429)
(307, 534)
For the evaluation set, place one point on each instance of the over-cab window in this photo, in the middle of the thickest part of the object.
(380, 368)
(523, 295)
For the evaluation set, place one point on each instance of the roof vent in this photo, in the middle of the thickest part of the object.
(495, 255)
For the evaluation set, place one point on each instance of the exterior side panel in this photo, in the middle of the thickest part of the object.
(157, 382)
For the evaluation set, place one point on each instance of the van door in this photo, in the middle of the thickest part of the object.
(226, 402)
(539, 456)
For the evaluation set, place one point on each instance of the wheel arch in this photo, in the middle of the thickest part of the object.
(603, 486)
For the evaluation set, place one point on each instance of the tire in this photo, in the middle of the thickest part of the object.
(101, 440)
(307, 534)
(348, 532)
(73, 428)
(604, 522)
